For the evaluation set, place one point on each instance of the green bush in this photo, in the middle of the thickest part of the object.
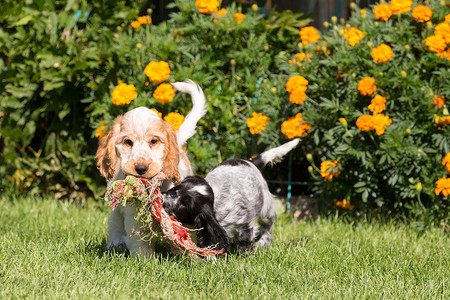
(59, 72)
(396, 167)
(53, 65)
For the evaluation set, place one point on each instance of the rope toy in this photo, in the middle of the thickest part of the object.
(155, 221)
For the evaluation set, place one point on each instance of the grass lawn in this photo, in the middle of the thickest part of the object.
(56, 250)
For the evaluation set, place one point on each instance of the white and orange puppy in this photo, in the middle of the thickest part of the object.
(142, 144)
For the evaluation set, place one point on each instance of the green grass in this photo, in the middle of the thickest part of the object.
(55, 250)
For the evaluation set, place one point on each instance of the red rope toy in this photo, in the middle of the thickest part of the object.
(150, 213)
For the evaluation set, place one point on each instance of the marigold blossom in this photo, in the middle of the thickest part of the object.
(435, 43)
(378, 104)
(221, 13)
(439, 101)
(295, 126)
(366, 86)
(99, 132)
(329, 169)
(157, 112)
(445, 120)
(344, 204)
(123, 94)
(382, 12)
(207, 6)
(447, 18)
(382, 53)
(443, 186)
(257, 123)
(174, 119)
(164, 93)
(144, 20)
(157, 71)
(443, 30)
(422, 13)
(400, 6)
(446, 162)
(135, 24)
(309, 35)
(297, 96)
(444, 54)
(353, 36)
(238, 17)
(378, 122)
(296, 82)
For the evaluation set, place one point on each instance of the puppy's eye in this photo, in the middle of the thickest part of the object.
(128, 142)
(153, 142)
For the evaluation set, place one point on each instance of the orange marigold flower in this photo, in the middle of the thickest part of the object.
(329, 169)
(164, 93)
(444, 54)
(443, 186)
(135, 24)
(382, 53)
(344, 204)
(157, 71)
(239, 17)
(144, 20)
(295, 83)
(309, 35)
(442, 120)
(439, 101)
(382, 12)
(302, 56)
(447, 18)
(257, 123)
(378, 104)
(353, 36)
(378, 122)
(422, 13)
(297, 96)
(221, 13)
(400, 6)
(157, 112)
(446, 162)
(295, 126)
(366, 86)
(99, 132)
(435, 43)
(207, 6)
(443, 30)
(123, 94)
(174, 119)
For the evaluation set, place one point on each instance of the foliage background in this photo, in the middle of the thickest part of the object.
(60, 63)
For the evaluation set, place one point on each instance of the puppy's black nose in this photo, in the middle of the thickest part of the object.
(141, 169)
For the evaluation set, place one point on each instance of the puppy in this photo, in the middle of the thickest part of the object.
(142, 144)
(192, 203)
(237, 195)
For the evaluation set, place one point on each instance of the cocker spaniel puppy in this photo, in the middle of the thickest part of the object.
(142, 144)
(233, 197)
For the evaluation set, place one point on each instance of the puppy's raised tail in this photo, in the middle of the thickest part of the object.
(274, 155)
(188, 128)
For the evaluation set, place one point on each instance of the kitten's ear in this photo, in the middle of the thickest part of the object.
(106, 153)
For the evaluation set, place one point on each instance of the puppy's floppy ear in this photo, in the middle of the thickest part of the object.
(171, 155)
(211, 233)
(106, 153)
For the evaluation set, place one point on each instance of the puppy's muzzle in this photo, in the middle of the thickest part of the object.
(140, 169)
